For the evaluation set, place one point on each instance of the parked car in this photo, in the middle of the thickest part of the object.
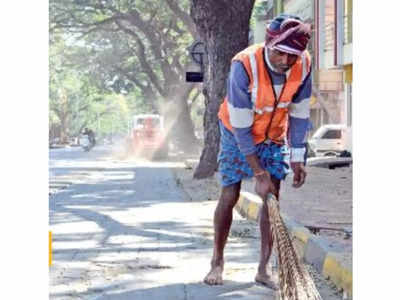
(331, 140)
(148, 136)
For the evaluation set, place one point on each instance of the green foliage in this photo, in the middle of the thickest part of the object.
(259, 10)
(74, 100)
(133, 44)
(103, 50)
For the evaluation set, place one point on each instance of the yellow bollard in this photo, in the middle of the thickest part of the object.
(49, 248)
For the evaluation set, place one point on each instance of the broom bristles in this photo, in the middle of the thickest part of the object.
(295, 283)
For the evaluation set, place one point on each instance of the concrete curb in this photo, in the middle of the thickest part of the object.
(312, 249)
(329, 162)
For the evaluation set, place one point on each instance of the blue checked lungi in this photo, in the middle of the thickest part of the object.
(232, 164)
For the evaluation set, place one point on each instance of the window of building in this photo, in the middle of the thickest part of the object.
(329, 26)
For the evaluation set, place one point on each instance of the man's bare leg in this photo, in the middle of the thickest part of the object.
(263, 276)
(222, 224)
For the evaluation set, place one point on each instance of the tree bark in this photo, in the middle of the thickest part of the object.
(64, 129)
(177, 116)
(224, 27)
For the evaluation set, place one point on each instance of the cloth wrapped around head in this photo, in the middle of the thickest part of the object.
(287, 33)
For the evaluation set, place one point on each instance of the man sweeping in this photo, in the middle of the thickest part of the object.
(263, 125)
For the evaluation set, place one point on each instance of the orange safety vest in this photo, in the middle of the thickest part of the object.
(263, 96)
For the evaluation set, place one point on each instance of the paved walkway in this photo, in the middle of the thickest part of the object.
(125, 230)
(129, 233)
(324, 200)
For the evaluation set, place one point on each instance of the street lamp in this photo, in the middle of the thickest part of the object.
(196, 51)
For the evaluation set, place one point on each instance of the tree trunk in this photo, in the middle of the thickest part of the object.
(64, 129)
(177, 117)
(184, 128)
(224, 28)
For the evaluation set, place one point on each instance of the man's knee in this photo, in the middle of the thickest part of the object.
(277, 185)
(230, 195)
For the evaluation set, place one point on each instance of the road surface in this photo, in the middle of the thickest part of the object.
(126, 230)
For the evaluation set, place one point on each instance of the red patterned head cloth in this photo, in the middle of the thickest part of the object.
(287, 33)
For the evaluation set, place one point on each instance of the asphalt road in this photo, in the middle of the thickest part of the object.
(125, 230)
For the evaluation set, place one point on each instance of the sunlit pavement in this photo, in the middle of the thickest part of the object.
(124, 230)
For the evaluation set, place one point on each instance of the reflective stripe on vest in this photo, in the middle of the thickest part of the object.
(254, 89)
(263, 96)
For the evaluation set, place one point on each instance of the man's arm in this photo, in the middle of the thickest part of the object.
(240, 108)
(299, 114)
(241, 116)
(241, 113)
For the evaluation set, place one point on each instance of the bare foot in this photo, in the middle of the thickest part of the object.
(266, 280)
(214, 277)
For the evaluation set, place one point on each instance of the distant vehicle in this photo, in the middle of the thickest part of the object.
(85, 142)
(331, 140)
(148, 136)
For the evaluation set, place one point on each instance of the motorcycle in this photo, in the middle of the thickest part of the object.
(85, 143)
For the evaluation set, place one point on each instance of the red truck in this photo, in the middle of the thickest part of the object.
(148, 136)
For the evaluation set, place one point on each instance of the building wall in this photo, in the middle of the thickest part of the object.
(262, 21)
(335, 51)
(348, 59)
(259, 30)
(305, 10)
(301, 8)
(331, 51)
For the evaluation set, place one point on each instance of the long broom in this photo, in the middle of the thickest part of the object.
(295, 283)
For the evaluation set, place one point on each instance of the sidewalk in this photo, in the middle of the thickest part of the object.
(324, 201)
(128, 231)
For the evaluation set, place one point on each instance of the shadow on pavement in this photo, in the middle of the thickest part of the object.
(193, 291)
(123, 218)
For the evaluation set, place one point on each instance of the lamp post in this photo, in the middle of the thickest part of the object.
(196, 51)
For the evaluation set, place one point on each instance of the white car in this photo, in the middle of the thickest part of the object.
(331, 140)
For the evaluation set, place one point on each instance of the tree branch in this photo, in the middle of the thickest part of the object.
(132, 78)
(84, 107)
(185, 17)
(147, 90)
(80, 23)
(149, 31)
(195, 97)
(141, 53)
